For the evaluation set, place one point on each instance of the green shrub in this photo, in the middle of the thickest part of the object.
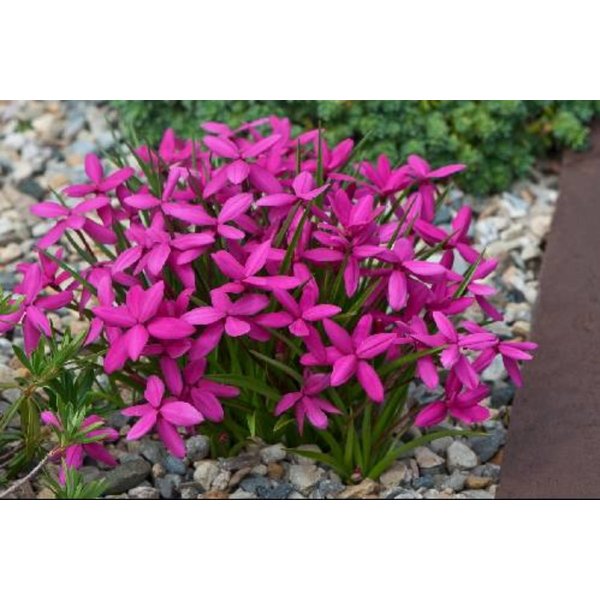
(499, 140)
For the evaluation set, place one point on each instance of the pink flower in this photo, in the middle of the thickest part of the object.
(232, 210)
(385, 180)
(351, 353)
(452, 357)
(73, 218)
(99, 184)
(164, 414)
(462, 405)
(304, 190)
(404, 265)
(137, 317)
(74, 454)
(511, 351)
(233, 318)
(203, 393)
(156, 246)
(423, 176)
(456, 238)
(171, 150)
(243, 276)
(305, 312)
(241, 168)
(35, 322)
(307, 403)
(353, 243)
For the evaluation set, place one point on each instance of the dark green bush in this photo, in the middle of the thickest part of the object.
(499, 140)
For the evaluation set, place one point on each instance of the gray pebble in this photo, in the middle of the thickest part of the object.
(126, 476)
(174, 465)
(252, 484)
(144, 493)
(486, 446)
(197, 447)
(272, 454)
(281, 492)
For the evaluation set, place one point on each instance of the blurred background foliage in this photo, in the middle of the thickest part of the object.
(498, 140)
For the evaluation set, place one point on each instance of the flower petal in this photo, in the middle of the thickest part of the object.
(170, 328)
(343, 369)
(181, 414)
(370, 382)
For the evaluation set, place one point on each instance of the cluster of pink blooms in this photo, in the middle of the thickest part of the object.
(197, 256)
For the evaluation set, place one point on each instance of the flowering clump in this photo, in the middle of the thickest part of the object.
(254, 279)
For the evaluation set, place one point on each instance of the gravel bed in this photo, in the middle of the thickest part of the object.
(42, 146)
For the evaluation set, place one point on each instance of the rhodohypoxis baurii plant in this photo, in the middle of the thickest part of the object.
(253, 283)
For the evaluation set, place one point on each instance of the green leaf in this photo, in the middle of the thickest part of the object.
(319, 456)
(367, 431)
(251, 419)
(282, 423)
(246, 383)
(469, 276)
(278, 365)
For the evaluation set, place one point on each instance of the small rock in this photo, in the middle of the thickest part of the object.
(259, 470)
(189, 492)
(205, 473)
(474, 482)
(214, 495)
(238, 476)
(152, 450)
(242, 495)
(364, 488)
(144, 493)
(327, 489)
(280, 492)
(398, 474)
(460, 456)
(486, 446)
(455, 481)
(45, 494)
(432, 495)
(296, 496)
(478, 495)
(502, 395)
(168, 485)
(272, 454)
(540, 225)
(158, 471)
(174, 465)
(495, 372)
(275, 471)
(126, 476)
(426, 459)
(521, 328)
(30, 187)
(197, 447)
(304, 476)
(303, 460)
(403, 494)
(242, 461)
(488, 470)
(221, 481)
(90, 473)
(425, 481)
(440, 445)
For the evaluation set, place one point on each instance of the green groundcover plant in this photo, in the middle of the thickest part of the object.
(254, 284)
(499, 140)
